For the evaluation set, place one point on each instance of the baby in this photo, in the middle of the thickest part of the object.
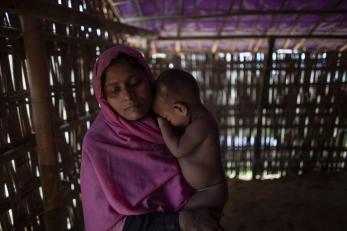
(177, 101)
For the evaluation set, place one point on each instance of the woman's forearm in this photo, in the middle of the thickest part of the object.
(152, 222)
(196, 219)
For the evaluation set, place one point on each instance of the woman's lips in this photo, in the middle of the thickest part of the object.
(132, 107)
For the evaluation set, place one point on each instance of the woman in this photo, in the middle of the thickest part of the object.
(129, 180)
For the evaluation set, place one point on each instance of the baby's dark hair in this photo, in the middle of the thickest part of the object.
(178, 86)
(123, 58)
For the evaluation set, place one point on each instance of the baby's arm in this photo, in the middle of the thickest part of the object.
(194, 134)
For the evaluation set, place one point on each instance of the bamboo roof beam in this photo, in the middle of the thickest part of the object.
(15, 33)
(179, 26)
(61, 14)
(323, 17)
(221, 27)
(258, 44)
(344, 47)
(121, 2)
(115, 11)
(274, 19)
(238, 13)
(278, 36)
(138, 7)
(197, 12)
(299, 44)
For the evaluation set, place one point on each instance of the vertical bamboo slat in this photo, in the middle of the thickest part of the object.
(42, 119)
(257, 169)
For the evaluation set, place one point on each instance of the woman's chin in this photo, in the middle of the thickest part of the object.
(134, 114)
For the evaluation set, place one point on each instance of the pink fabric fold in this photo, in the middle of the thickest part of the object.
(126, 168)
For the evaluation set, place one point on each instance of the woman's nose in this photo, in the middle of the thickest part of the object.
(127, 93)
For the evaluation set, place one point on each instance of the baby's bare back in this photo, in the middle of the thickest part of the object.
(202, 167)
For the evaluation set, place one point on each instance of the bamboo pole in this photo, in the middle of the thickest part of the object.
(263, 101)
(35, 50)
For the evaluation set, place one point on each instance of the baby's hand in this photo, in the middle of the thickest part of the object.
(162, 122)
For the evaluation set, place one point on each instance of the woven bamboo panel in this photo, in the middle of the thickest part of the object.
(20, 191)
(303, 126)
(305, 113)
(71, 53)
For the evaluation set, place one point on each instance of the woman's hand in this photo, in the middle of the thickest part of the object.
(201, 219)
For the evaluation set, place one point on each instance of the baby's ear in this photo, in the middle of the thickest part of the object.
(181, 108)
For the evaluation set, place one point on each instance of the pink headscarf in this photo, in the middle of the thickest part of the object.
(126, 168)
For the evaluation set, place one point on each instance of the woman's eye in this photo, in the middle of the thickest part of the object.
(115, 90)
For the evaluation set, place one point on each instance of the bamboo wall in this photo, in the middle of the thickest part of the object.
(302, 128)
(303, 123)
(71, 53)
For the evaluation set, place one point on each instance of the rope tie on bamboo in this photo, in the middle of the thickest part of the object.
(47, 145)
(30, 30)
(46, 211)
(41, 100)
(33, 29)
(43, 167)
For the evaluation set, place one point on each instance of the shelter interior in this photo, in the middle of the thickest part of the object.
(274, 73)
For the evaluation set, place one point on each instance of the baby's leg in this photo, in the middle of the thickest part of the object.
(213, 197)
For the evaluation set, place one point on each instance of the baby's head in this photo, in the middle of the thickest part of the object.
(176, 96)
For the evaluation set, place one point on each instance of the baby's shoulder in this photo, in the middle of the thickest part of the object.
(206, 120)
(204, 124)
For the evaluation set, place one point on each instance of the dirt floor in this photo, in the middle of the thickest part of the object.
(313, 202)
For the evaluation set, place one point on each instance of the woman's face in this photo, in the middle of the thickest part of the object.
(127, 91)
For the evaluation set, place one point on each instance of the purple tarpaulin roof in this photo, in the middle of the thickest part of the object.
(228, 18)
